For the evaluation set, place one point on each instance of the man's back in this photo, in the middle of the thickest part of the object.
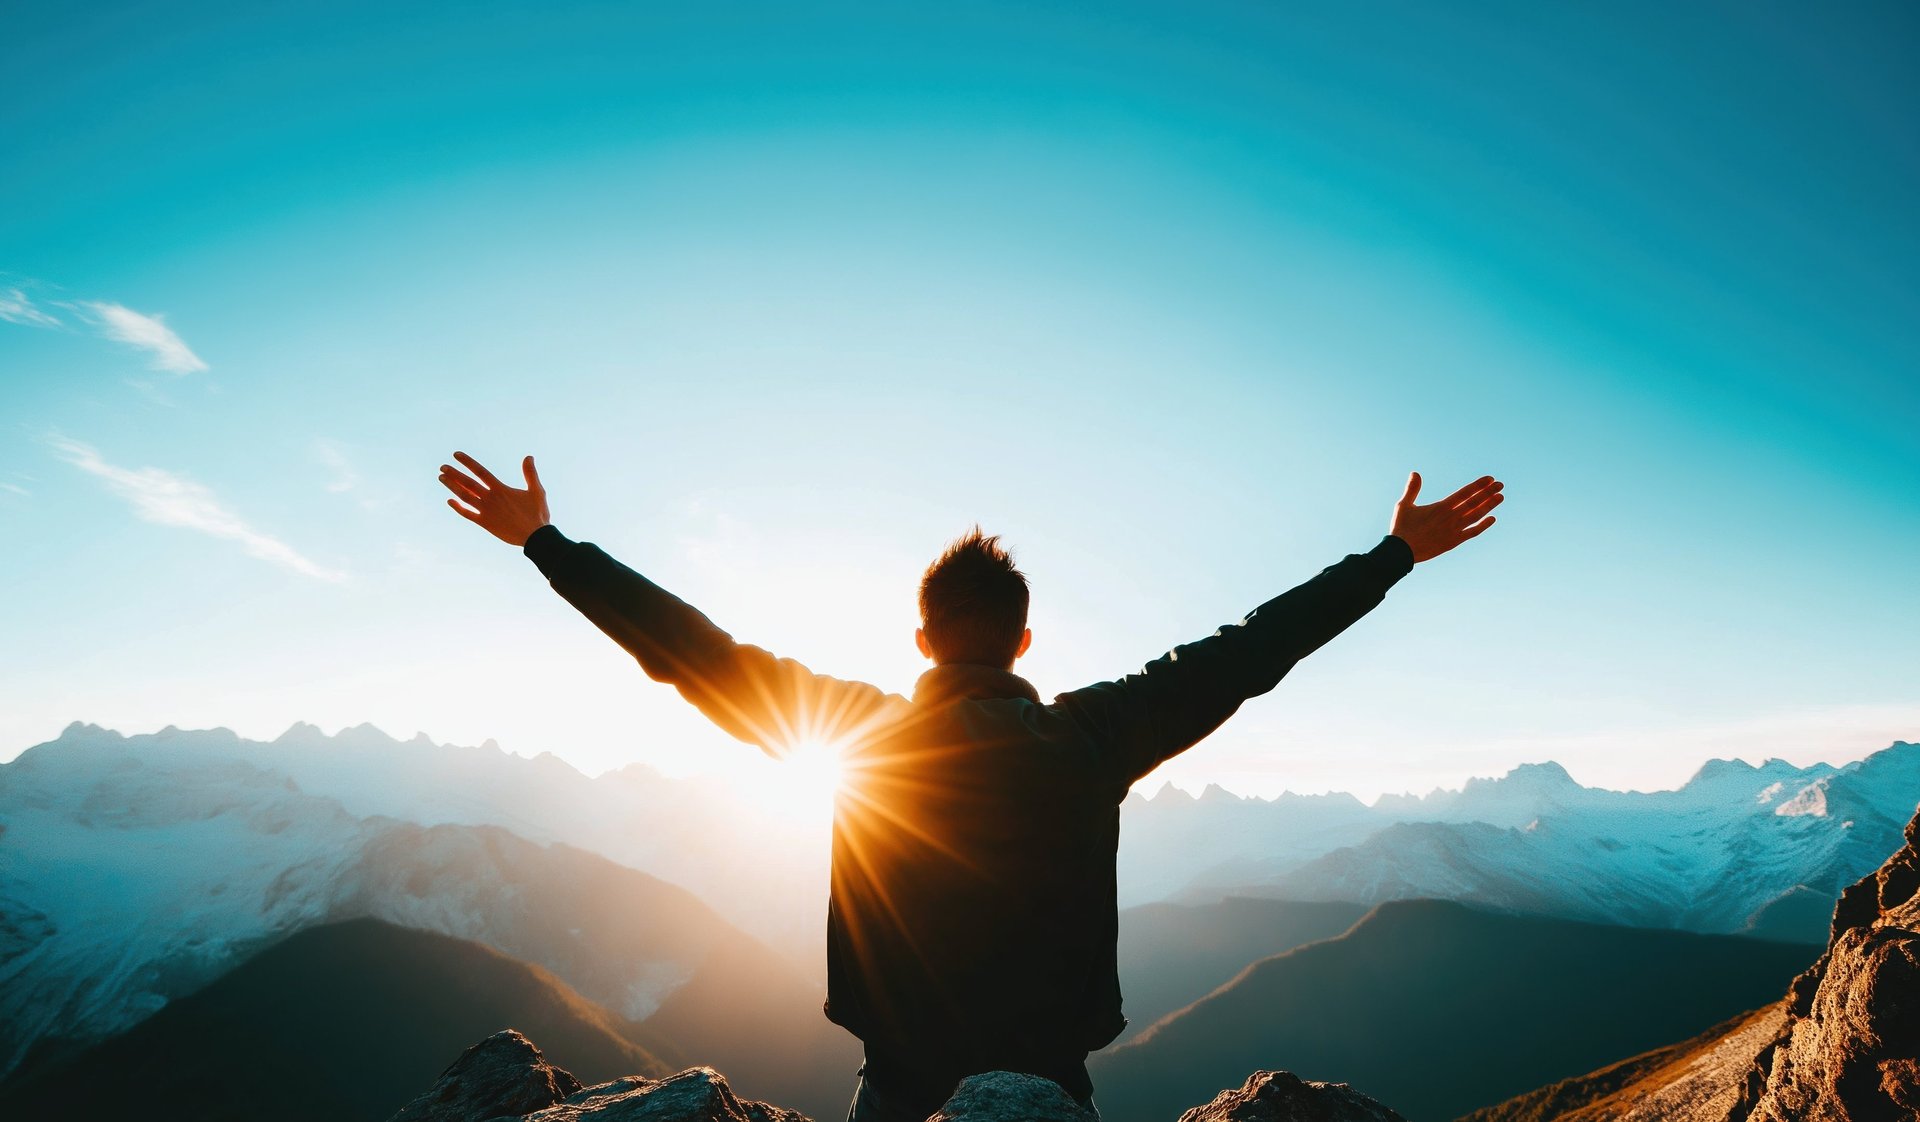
(971, 921)
(972, 914)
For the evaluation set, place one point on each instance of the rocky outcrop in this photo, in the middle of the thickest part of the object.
(1000, 1095)
(505, 1078)
(503, 1074)
(1851, 1050)
(1281, 1096)
(1842, 1046)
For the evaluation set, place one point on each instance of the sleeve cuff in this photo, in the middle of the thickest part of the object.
(545, 547)
(1393, 555)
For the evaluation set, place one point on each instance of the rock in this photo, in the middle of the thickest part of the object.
(698, 1094)
(1851, 1048)
(1281, 1096)
(1006, 1096)
(502, 1075)
(506, 1077)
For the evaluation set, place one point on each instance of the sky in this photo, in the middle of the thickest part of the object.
(1172, 296)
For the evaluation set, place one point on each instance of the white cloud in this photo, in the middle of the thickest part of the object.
(14, 488)
(17, 307)
(148, 333)
(171, 500)
(345, 478)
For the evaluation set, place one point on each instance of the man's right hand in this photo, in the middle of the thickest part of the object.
(1437, 527)
(511, 514)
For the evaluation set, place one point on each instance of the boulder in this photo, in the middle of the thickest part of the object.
(506, 1077)
(502, 1075)
(1281, 1096)
(698, 1094)
(1006, 1096)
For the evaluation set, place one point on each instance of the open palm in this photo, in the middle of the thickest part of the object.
(511, 514)
(1437, 527)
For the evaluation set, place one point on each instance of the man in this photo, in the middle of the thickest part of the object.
(971, 922)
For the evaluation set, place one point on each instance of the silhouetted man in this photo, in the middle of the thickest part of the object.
(971, 923)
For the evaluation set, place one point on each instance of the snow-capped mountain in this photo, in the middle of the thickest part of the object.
(1763, 849)
(135, 870)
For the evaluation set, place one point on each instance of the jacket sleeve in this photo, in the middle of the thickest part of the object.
(1173, 702)
(773, 703)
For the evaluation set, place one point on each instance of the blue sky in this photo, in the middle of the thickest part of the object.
(1173, 296)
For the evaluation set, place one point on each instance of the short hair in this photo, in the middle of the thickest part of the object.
(973, 602)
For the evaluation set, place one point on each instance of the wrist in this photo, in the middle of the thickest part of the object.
(1396, 554)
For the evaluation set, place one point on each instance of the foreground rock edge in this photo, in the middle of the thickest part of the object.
(506, 1077)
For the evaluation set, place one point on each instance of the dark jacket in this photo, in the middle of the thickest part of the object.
(971, 923)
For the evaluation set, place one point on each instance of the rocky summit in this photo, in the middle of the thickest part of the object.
(1281, 1096)
(1850, 1051)
(505, 1077)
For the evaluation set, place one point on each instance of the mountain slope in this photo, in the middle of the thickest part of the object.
(1438, 1008)
(1172, 955)
(135, 871)
(357, 1016)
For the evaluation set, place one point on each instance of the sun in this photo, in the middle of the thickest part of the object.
(798, 788)
(812, 770)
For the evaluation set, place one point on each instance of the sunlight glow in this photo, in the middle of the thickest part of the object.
(800, 786)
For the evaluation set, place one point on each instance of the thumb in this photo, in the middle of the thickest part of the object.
(1413, 488)
(532, 474)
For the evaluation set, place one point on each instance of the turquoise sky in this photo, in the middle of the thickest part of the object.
(1173, 296)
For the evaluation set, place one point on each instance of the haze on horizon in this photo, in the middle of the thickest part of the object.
(1172, 296)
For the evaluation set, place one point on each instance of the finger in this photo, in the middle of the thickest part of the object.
(479, 469)
(1474, 498)
(1475, 510)
(462, 486)
(1477, 529)
(1413, 489)
(532, 474)
(470, 515)
(1470, 490)
(449, 471)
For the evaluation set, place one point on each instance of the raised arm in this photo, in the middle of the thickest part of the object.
(1174, 701)
(773, 703)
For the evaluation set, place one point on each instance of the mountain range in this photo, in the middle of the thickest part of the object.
(1740, 847)
(137, 870)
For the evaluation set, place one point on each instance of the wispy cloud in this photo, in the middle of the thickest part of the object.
(17, 307)
(334, 458)
(150, 333)
(172, 500)
(14, 489)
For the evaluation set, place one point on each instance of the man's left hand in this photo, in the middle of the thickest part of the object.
(511, 514)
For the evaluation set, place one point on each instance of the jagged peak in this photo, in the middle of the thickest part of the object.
(1295, 798)
(299, 731)
(1171, 794)
(1545, 775)
(1717, 769)
(1214, 793)
(218, 732)
(76, 730)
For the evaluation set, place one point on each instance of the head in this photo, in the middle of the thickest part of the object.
(973, 605)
